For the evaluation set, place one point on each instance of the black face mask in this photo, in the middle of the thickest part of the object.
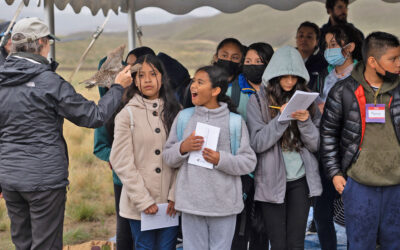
(388, 76)
(231, 68)
(253, 73)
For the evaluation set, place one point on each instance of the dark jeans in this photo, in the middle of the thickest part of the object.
(248, 236)
(124, 235)
(371, 212)
(37, 218)
(323, 215)
(286, 223)
(158, 239)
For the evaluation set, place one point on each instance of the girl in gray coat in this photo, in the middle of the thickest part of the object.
(209, 199)
(287, 172)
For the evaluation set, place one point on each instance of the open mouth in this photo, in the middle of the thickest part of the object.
(194, 95)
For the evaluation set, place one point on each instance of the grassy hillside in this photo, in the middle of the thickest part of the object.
(262, 23)
(193, 41)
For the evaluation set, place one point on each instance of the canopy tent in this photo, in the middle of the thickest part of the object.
(172, 6)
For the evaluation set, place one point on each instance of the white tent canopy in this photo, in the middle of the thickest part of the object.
(172, 6)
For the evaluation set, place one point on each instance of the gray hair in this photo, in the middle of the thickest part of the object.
(33, 47)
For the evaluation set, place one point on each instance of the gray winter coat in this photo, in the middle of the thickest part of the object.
(3, 55)
(265, 134)
(34, 101)
(210, 192)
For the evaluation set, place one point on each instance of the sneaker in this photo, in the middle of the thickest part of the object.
(311, 229)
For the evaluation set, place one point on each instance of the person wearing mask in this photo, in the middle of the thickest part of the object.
(229, 56)
(256, 60)
(248, 82)
(343, 51)
(360, 147)
(337, 11)
(103, 139)
(307, 37)
(6, 46)
(34, 156)
(287, 173)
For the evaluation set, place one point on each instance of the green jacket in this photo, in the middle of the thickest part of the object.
(377, 164)
(102, 144)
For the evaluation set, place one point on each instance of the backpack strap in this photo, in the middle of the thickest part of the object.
(235, 95)
(235, 127)
(183, 119)
(235, 131)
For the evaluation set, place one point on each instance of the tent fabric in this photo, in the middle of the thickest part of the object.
(174, 6)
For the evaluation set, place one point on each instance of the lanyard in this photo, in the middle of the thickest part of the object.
(376, 95)
(376, 92)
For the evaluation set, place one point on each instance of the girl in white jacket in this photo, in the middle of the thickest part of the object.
(141, 129)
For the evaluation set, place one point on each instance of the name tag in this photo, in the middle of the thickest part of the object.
(375, 113)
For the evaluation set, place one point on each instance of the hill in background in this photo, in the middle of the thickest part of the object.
(193, 41)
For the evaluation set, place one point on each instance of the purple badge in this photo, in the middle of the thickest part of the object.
(375, 113)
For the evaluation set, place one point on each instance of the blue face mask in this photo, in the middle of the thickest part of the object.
(334, 56)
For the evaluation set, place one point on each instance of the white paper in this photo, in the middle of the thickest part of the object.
(210, 135)
(301, 100)
(159, 220)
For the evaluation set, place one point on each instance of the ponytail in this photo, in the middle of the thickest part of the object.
(222, 97)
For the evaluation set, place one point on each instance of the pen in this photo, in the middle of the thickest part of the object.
(275, 107)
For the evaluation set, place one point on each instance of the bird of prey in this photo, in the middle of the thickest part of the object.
(109, 69)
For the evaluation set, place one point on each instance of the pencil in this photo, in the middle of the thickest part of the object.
(275, 107)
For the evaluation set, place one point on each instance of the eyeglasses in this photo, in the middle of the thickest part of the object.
(51, 41)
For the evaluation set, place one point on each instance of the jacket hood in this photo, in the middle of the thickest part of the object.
(141, 102)
(358, 75)
(285, 61)
(18, 70)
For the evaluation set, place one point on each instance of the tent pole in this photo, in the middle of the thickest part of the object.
(131, 25)
(49, 10)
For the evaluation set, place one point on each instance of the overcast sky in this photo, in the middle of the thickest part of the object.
(68, 22)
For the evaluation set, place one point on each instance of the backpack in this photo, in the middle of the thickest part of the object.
(235, 127)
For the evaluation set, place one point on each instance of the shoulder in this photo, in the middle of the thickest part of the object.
(123, 116)
(51, 80)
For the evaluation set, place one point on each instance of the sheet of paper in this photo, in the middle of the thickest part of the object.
(159, 220)
(210, 135)
(301, 100)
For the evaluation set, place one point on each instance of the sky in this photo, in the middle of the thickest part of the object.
(67, 21)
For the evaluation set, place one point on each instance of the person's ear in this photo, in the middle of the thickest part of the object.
(215, 58)
(350, 47)
(371, 61)
(216, 91)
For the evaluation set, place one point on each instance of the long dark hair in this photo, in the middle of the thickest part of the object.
(171, 105)
(219, 78)
(276, 96)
